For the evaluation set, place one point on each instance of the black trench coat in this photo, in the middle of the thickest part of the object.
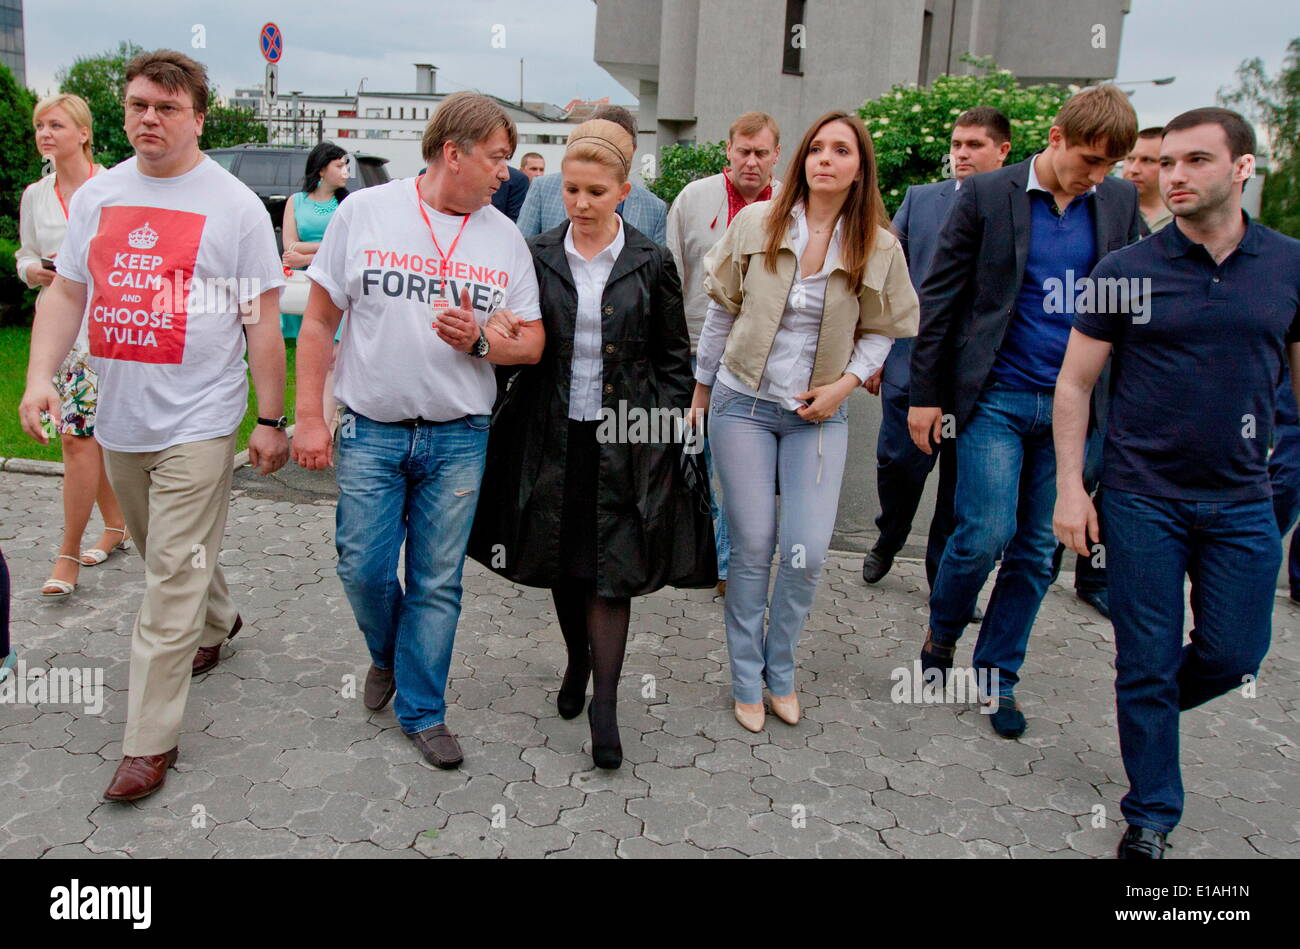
(651, 529)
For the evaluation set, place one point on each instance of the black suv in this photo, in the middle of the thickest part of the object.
(274, 172)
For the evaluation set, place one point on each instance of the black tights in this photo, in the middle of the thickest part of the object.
(595, 632)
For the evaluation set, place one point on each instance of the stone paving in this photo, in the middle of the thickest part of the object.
(279, 757)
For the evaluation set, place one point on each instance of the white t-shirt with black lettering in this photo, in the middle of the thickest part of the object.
(379, 264)
(166, 263)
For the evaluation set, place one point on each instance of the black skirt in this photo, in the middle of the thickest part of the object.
(578, 516)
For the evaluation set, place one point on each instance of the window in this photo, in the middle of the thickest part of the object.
(224, 159)
(792, 59)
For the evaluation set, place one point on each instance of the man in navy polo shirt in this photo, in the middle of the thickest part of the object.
(1201, 319)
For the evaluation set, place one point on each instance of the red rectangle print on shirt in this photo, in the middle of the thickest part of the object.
(141, 263)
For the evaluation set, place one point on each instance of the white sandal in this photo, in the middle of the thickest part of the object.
(93, 556)
(63, 587)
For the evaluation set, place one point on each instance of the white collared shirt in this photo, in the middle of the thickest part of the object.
(589, 277)
(790, 363)
(1033, 184)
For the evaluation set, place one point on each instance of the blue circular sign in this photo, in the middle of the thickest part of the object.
(272, 42)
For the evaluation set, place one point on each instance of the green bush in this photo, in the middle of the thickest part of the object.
(911, 126)
(20, 164)
(679, 165)
(17, 302)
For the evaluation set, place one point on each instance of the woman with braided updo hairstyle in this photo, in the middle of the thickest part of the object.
(575, 498)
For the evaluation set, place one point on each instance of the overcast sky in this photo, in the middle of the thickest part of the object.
(330, 45)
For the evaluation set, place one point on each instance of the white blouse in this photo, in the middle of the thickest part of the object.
(590, 277)
(42, 225)
(790, 363)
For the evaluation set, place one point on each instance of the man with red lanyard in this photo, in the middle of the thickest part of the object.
(172, 263)
(418, 264)
(697, 220)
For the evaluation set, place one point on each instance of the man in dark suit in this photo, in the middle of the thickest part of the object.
(981, 139)
(996, 311)
(509, 198)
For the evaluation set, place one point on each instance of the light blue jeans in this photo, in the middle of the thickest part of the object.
(418, 485)
(755, 442)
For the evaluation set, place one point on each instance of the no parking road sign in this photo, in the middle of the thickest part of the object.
(272, 43)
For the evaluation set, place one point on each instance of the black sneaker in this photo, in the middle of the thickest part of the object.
(1141, 843)
(1099, 600)
(875, 565)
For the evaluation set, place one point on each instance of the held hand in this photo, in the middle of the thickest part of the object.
(699, 405)
(1074, 521)
(38, 399)
(40, 276)
(268, 449)
(505, 324)
(457, 326)
(872, 384)
(925, 423)
(295, 260)
(825, 400)
(313, 448)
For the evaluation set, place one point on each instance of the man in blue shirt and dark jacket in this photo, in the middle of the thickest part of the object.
(995, 318)
(1201, 319)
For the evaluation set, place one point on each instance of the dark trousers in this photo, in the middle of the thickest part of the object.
(901, 470)
(1284, 473)
(4, 607)
(1230, 551)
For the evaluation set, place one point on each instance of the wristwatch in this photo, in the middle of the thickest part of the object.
(281, 423)
(480, 347)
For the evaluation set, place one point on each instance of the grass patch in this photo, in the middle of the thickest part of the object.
(15, 443)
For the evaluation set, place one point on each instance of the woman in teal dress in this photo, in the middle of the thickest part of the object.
(306, 216)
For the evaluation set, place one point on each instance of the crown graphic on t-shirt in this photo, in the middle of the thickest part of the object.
(142, 238)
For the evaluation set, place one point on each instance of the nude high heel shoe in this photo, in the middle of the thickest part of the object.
(750, 721)
(786, 709)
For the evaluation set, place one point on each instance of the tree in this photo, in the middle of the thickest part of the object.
(20, 164)
(1274, 103)
(226, 125)
(679, 165)
(910, 125)
(101, 81)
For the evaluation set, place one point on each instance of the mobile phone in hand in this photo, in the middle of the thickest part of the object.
(47, 264)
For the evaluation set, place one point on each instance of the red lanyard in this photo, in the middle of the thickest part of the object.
(59, 194)
(446, 258)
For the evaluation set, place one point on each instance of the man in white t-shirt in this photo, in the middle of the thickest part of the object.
(697, 220)
(172, 262)
(418, 265)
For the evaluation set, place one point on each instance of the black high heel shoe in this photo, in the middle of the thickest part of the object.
(573, 693)
(606, 749)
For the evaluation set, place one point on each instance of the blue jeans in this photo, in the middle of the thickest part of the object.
(416, 485)
(721, 536)
(1231, 552)
(754, 442)
(1006, 489)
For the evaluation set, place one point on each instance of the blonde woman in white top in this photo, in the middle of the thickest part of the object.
(63, 137)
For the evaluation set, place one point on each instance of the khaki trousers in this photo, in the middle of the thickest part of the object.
(175, 501)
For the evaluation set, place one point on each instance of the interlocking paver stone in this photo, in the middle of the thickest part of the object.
(279, 757)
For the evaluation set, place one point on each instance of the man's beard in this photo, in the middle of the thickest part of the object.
(1209, 200)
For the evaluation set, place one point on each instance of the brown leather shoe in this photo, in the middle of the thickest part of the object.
(208, 656)
(380, 687)
(138, 777)
(439, 746)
